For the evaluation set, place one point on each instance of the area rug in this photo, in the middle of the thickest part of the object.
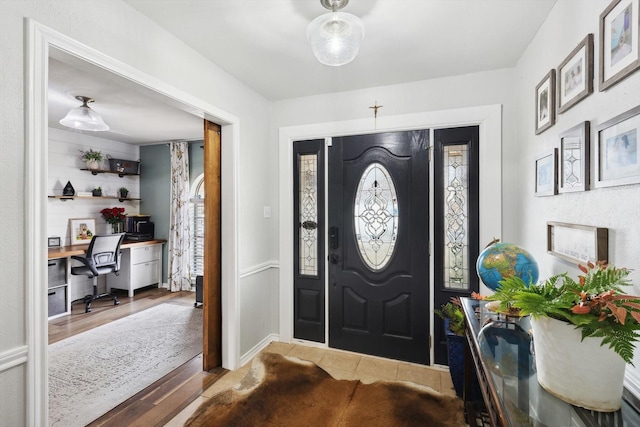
(93, 372)
(286, 391)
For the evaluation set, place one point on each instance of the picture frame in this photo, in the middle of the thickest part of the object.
(53, 242)
(616, 150)
(573, 159)
(619, 42)
(546, 102)
(81, 230)
(575, 75)
(546, 182)
(576, 243)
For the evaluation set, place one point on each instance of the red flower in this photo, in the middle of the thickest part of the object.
(113, 215)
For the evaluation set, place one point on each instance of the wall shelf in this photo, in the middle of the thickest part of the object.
(120, 174)
(121, 199)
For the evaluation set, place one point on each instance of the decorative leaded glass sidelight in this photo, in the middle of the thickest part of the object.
(376, 216)
(308, 197)
(456, 216)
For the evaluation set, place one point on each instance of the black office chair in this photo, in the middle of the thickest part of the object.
(102, 257)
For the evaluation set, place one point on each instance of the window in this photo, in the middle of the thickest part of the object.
(196, 213)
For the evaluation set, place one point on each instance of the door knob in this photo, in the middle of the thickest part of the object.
(334, 258)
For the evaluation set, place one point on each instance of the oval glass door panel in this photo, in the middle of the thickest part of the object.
(376, 216)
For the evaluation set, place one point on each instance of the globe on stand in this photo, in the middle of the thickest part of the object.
(501, 260)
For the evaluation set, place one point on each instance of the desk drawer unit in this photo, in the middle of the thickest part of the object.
(140, 266)
(57, 289)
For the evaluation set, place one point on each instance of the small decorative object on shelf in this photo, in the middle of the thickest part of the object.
(116, 217)
(93, 158)
(68, 190)
(97, 192)
(123, 192)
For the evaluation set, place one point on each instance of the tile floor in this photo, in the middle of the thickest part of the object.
(341, 365)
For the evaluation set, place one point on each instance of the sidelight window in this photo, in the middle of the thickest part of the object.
(308, 244)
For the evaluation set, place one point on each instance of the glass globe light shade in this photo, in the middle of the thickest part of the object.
(335, 37)
(84, 118)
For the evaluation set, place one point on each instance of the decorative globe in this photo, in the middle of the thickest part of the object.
(501, 260)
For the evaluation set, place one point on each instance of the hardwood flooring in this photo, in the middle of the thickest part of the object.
(165, 398)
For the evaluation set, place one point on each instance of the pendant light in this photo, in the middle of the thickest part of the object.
(335, 36)
(84, 118)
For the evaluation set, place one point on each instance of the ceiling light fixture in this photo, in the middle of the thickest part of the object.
(84, 118)
(335, 37)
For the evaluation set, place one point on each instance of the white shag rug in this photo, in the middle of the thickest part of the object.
(93, 372)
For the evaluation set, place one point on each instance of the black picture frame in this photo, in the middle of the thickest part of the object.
(573, 159)
(545, 102)
(546, 173)
(619, 42)
(575, 75)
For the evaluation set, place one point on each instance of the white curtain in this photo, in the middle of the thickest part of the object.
(179, 255)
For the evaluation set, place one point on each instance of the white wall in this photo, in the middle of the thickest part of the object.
(65, 165)
(616, 208)
(117, 30)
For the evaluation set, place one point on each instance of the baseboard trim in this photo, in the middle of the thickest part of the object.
(14, 357)
(258, 268)
(246, 358)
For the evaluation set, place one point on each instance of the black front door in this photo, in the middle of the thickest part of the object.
(378, 245)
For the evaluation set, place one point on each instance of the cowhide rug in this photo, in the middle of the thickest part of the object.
(286, 391)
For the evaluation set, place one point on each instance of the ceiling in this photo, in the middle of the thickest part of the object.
(263, 43)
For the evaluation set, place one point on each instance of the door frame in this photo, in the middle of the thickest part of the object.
(488, 118)
(40, 43)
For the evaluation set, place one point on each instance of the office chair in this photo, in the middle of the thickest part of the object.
(102, 257)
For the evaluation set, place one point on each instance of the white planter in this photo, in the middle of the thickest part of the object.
(579, 372)
(93, 164)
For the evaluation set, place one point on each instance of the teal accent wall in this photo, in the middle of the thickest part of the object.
(155, 185)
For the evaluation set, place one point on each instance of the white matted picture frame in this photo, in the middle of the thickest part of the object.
(576, 243)
(575, 75)
(546, 102)
(616, 150)
(619, 42)
(573, 159)
(546, 182)
(82, 230)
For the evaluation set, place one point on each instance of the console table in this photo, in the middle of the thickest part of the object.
(500, 351)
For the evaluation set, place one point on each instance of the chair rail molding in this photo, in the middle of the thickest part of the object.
(13, 357)
(259, 268)
(40, 43)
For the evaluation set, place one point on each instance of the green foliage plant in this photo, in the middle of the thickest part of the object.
(452, 311)
(595, 304)
(91, 155)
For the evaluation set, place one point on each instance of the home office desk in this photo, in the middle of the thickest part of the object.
(499, 350)
(140, 266)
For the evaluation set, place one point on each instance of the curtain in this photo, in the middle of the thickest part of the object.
(179, 257)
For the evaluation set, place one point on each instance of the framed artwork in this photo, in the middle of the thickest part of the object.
(546, 102)
(546, 176)
(619, 42)
(616, 149)
(573, 164)
(575, 75)
(578, 244)
(82, 230)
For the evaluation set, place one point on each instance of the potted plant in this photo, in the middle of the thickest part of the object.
(453, 316)
(123, 192)
(97, 192)
(578, 326)
(92, 158)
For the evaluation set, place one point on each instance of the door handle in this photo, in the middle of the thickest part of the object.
(333, 237)
(334, 258)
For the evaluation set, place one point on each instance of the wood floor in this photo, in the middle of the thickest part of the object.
(161, 401)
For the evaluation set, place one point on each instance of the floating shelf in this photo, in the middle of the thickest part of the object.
(120, 174)
(65, 198)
